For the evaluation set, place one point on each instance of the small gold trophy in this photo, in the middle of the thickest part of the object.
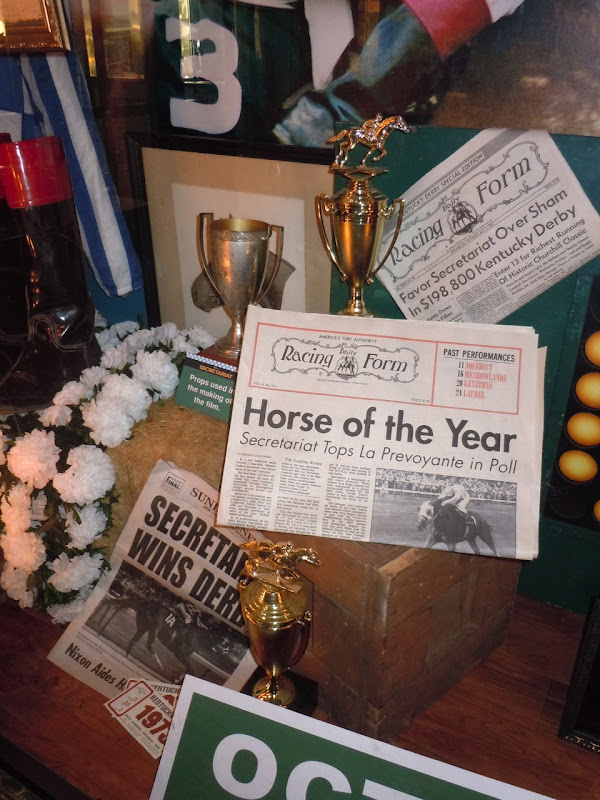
(358, 212)
(274, 607)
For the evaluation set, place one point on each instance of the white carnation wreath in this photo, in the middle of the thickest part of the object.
(56, 478)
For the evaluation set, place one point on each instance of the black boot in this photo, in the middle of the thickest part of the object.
(13, 305)
(60, 339)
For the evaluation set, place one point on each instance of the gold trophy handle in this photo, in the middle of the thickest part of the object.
(304, 623)
(400, 203)
(320, 200)
(278, 229)
(203, 217)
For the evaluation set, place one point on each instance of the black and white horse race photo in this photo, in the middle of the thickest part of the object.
(450, 525)
(465, 515)
(147, 624)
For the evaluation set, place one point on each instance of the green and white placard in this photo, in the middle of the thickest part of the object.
(224, 745)
(206, 386)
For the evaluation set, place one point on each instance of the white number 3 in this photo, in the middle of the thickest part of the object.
(217, 67)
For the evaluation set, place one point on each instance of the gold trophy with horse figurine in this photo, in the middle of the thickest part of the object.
(357, 213)
(274, 606)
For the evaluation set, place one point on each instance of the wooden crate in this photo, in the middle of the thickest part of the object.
(395, 627)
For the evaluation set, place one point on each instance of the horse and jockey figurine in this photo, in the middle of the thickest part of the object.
(274, 606)
(358, 214)
(372, 134)
(275, 564)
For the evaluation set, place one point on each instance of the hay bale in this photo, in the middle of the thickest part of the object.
(189, 440)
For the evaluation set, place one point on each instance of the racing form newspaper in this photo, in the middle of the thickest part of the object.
(489, 229)
(170, 604)
(412, 433)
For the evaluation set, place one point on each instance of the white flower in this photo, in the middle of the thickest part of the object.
(180, 344)
(92, 377)
(116, 358)
(14, 583)
(139, 340)
(71, 394)
(110, 337)
(129, 393)
(72, 574)
(90, 477)
(107, 339)
(124, 329)
(64, 613)
(157, 372)
(33, 458)
(24, 550)
(92, 523)
(15, 508)
(200, 336)
(55, 416)
(109, 425)
(121, 402)
(165, 333)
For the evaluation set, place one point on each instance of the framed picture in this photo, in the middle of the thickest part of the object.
(33, 25)
(175, 178)
(580, 721)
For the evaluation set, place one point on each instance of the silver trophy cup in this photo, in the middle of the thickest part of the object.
(236, 261)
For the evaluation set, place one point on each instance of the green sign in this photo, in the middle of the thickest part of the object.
(225, 745)
(206, 386)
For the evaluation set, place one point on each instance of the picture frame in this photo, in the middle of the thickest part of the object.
(175, 178)
(33, 25)
(580, 722)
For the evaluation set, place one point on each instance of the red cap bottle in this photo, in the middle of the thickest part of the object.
(34, 172)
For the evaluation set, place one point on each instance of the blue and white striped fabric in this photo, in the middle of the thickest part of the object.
(49, 95)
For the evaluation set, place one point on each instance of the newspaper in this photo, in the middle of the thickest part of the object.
(364, 428)
(170, 604)
(489, 229)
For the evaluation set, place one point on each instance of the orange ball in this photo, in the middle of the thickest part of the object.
(597, 510)
(587, 389)
(584, 429)
(592, 348)
(578, 466)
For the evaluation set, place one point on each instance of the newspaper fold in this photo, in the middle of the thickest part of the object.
(405, 432)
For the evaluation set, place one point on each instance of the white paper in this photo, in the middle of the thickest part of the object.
(345, 427)
(489, 229)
